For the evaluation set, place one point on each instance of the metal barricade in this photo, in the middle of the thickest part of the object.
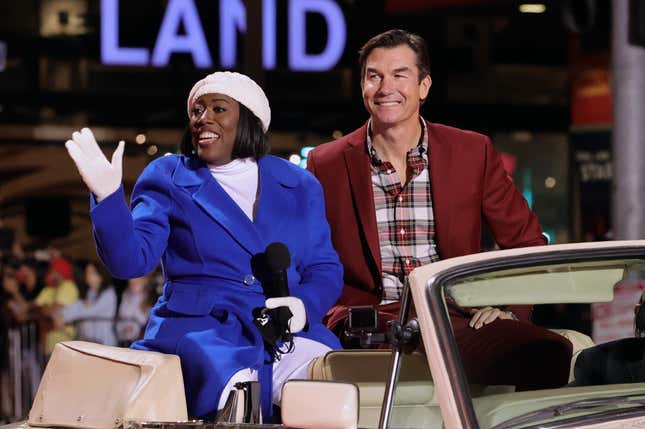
(19, 379)
(21, 373)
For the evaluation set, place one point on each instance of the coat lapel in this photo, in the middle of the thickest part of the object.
(357, 163)
(214, 200)
(440, 184)
(275, 203)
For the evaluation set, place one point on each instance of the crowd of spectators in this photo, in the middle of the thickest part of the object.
(73, 299)
(54, 298)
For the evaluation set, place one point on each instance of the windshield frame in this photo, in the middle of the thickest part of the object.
(454, 394)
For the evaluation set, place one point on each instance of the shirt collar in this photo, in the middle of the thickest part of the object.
(421, 148)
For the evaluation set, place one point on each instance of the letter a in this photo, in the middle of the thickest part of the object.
(193, 42)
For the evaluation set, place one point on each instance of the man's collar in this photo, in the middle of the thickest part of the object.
(422, 145)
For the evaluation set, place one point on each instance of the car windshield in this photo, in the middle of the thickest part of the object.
(522, 363)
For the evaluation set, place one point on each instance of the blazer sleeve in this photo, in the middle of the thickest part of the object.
(321, 272)
(130, 244)
(507, 213)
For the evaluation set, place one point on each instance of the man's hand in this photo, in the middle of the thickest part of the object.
(101, 176)
(486, 315)
(297, 308)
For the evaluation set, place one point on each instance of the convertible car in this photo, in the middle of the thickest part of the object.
(419, 383)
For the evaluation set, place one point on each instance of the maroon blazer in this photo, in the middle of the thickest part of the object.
(468, 183)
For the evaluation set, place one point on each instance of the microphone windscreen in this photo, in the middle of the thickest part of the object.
(277, 257)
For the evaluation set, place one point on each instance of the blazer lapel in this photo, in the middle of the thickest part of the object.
(357, 163)
(440, 154)
(214, 200)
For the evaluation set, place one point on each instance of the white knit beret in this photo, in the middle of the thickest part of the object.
(237, 86)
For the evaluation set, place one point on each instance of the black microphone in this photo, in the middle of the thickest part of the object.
(278, 260)
(274, 324)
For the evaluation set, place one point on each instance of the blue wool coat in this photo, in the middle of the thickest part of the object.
(181, 215)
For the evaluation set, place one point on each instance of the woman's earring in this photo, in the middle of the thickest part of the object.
(193, 152)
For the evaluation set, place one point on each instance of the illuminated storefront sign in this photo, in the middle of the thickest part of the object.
(232, 20)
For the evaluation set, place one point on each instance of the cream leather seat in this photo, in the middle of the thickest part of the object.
(415, 399)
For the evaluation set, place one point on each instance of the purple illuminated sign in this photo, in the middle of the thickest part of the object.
(232, 20)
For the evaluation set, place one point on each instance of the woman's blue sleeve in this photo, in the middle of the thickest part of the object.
(130, 243)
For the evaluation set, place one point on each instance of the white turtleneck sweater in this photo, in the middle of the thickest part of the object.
(239, 178)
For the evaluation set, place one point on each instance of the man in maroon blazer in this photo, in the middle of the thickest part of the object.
(403, 192)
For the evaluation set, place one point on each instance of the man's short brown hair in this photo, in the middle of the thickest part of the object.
(392, 39)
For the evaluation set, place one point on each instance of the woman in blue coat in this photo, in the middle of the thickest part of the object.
(207, 215)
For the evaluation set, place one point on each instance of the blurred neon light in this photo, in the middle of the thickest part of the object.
(527, 187)
(232, 20)
(269, 32)
(111, 52)
(532, 8)
(299, 59)
(193, 42)
(230, 23)
(304, 152)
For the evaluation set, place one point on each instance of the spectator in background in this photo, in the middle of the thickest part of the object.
(9, 287)
(60, 290)
(31, 275)
(21, 284)
(10, 296)
(93, 314)
(30, 282)
(133, 311)
(6, 284)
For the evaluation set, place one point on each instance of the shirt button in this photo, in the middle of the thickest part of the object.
(400, 199)
(407, 262)
(249, 279)
(389, 171)
(402, 231)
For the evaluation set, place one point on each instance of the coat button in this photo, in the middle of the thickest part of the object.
(249, 279)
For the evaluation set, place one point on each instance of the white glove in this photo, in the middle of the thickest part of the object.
(297, 308)
(101, 176)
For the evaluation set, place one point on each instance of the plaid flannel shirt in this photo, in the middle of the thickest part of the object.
(404, 216)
